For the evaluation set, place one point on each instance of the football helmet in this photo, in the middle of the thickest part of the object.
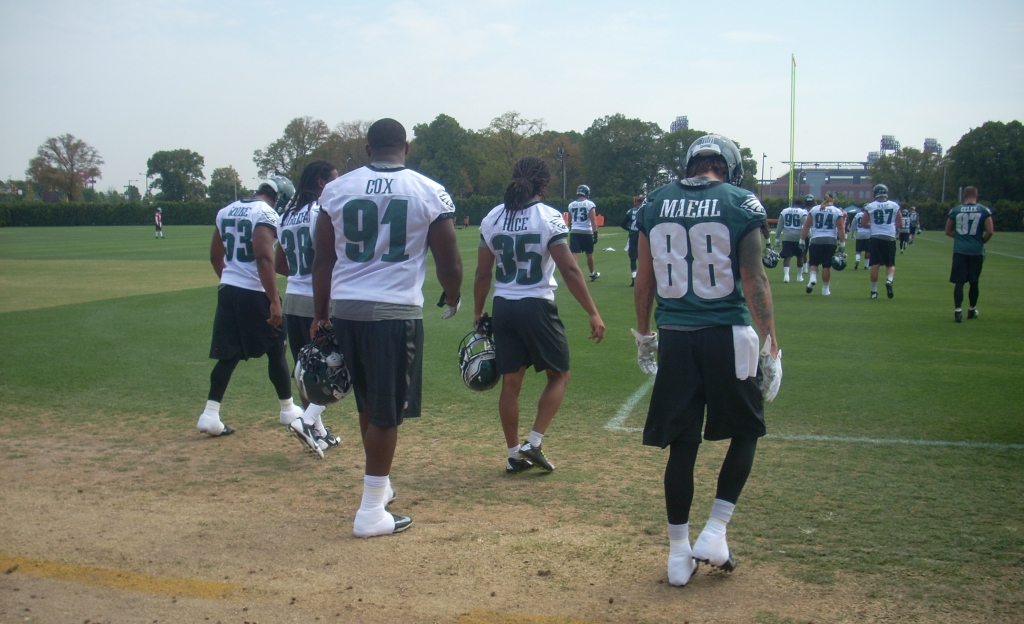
(839, 261)
(881, 190)
(716, 144)
(583, 190)
(770, 258)
(284, 188)
(476, 357)
(320, 370)
(809, 199)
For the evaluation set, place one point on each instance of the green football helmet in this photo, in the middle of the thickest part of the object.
(770, 258)
(476, 357)
(809, 200)
(320, 370)
(583, 190)
(284, 188)
(839, 261)
(881, 190)
(716, 144)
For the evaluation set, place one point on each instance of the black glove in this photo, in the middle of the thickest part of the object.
(595, 237)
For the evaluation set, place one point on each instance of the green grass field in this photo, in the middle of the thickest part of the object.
(103, 327)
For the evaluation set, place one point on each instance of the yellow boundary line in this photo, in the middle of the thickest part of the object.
(117, 579)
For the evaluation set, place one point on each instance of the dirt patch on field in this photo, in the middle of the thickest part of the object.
(273, 526)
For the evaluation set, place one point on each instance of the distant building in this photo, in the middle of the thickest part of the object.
(849, 179)
(681, 123)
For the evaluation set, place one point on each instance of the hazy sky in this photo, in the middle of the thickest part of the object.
(223, 78)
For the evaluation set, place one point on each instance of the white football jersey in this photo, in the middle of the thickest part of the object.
(521, 244)
(381, 218)
(791, 220)
(579, 212)
(236, 223)
(905, 227)
(863, 233)
(883, 218)
(825, 221)
(295, 234)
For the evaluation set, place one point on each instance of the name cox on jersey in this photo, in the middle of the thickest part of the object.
(693, 208)
(379, 185)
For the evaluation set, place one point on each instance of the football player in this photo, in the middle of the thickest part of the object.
(158, 217)
(971, 226)
(791, 222)
(294, 259)
(372, 235)
(583, 233)
(629, 224)
(248, 319)
(915, 223)
(700, 259)
(863, 235)
(527, 238)
(826, 227)
(904, 230)
(884, 218)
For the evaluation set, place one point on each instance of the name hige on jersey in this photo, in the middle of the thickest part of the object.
(520, 242)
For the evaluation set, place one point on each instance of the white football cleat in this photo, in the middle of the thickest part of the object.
(379, 522)
(288, 416)
(713, 550)
(681, 566)
(212, 426)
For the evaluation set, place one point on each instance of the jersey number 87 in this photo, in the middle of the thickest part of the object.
(710, 273)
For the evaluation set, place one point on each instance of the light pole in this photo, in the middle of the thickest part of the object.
(560, 156)
(943, 180)
(127, 189)
(763, 156)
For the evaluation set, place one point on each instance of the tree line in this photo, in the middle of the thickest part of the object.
(615, 156)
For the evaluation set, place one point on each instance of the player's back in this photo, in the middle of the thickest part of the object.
(824, 224)
(295, 234)
(579, 212)
(694, 233)
(969, 228)
(883, 218)
(236, 223)
(521, 243)
(381, 217)
(792, 221)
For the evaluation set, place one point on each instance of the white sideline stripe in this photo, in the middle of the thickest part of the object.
(988, 251)
(619, 419)
(615, 424)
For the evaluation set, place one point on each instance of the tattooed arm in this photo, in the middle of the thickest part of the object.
(756, 289)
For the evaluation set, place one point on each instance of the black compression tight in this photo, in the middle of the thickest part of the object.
(220, 377)
(958, 294)
(632, 264)
(277, 370)
(679, 475)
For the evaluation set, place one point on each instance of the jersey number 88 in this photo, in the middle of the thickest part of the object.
(710, 273)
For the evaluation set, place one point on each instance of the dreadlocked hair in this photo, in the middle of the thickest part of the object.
(309, 185)
(530, 178)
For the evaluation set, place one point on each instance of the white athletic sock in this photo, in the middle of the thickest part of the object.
(212, 409)
(722, 510)
(680, 557)
(888, 279)
(858, 257)
(513, 452)
(785, 272)
(535, 439)
(814, 277)
(286, 404)
(374, 492)
(634, 274)
(874, 286)
(312, 415)
(958, 310)
(824, 289)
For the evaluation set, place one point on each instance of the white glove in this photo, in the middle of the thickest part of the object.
(449, 311)
(771, 371)
(646, 352)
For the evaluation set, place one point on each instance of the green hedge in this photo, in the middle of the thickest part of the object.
(35, 214)
(1009, 215)
(613, 208)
